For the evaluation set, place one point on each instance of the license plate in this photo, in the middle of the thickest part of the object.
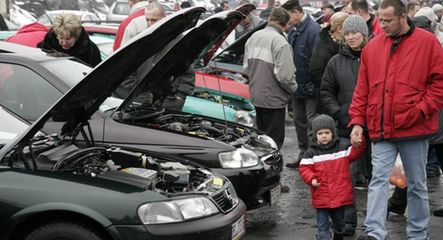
(238, 228)
(275, 194)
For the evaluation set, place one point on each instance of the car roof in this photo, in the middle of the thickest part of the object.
(36, 54)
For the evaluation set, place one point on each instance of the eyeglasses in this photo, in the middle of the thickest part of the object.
(387, 21)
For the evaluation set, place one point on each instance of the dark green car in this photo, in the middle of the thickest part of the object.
(67, 186)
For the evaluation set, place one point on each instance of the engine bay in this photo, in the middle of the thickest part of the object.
(122, 165)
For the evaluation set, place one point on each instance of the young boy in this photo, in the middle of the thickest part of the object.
(325, 167)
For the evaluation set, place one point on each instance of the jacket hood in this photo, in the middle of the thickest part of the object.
(75, 108)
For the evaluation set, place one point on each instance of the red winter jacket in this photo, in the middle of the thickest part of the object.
(399, 95)
(330, 166)
(29, 35)
(122, 27)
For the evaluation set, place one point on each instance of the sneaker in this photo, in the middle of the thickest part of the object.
(294, 165)
(365, 236)
(349, 230)
(438, 212)
(284, 188)
(433, 173)
(397, 209)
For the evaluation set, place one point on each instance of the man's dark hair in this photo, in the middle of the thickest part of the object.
(280, 15)
(292, 5)
(412, 5)
(222, 3)
(360, 4)
(398, 5)
(185, 4)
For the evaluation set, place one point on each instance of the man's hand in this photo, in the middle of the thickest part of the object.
(356, 135)
(314, 183)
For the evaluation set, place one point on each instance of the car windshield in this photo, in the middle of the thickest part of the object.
(71, 75)
(10, 126)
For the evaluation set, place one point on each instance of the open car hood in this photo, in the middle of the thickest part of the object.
(77, 106)
(233, 54)
(199, 42)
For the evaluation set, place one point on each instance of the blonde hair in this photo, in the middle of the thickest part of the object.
(337, 20)
(67, 25)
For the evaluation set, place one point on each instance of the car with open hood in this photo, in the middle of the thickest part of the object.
(245, 155)
(65, 185)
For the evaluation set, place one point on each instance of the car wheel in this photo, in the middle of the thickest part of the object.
(62, 231)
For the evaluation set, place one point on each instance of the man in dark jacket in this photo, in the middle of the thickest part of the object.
(302, 38)
(398, 98)
(361, 8)
(67, 36)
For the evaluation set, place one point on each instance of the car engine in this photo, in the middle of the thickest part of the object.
(126, 166)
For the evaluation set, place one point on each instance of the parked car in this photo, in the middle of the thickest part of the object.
(63, 184)
(120, 10)
(245, 155)
(49, 16)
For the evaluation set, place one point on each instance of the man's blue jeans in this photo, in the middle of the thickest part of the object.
(414, 156)
(324, 230)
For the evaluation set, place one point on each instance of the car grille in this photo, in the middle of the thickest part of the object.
(225, 200)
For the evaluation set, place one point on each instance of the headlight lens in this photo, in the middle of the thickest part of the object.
(238, 158)
(268, 140)
(243, 117)
(176, 210)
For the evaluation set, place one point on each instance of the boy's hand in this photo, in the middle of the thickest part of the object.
(314, 183)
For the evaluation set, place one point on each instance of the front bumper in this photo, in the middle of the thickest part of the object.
(253, 185)
(217, 227)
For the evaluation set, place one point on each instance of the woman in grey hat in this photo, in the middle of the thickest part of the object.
(336, 90)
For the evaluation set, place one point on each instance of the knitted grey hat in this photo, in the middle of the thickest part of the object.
(355, 23)
(323, 122)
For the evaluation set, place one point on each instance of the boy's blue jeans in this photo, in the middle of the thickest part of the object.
(414, 156)
(324, 224)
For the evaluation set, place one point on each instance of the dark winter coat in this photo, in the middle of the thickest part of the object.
(399, 89)
(329, 164)
(83, 49)
(337, 88)
(302, 40)
(324, 49)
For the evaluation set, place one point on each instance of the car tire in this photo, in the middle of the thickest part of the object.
(62, 230)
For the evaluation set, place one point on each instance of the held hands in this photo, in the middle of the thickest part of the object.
(314, 183)
(356, 136)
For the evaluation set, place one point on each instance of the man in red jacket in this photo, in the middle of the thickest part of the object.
(398, 98)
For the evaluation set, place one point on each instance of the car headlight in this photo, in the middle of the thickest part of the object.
(176, 211)
(243, 117)
(268, 140)
(238, 158)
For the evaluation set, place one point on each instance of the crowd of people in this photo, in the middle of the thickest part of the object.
(363, 85)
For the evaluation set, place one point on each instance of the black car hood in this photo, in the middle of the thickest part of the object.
(197, 43)
(77, 106)
(235, 51)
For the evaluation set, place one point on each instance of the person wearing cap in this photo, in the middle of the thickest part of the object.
(398, 98)
(325, 168)
(304, 100)
(336, 90)
(438, 10)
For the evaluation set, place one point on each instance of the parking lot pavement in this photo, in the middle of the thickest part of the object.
(293, 217)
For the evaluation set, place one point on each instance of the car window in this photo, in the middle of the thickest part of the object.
(121, 8)
(25, 92)
(71, 72)
(10, 126)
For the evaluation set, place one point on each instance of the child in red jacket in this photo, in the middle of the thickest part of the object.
(325, 167)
